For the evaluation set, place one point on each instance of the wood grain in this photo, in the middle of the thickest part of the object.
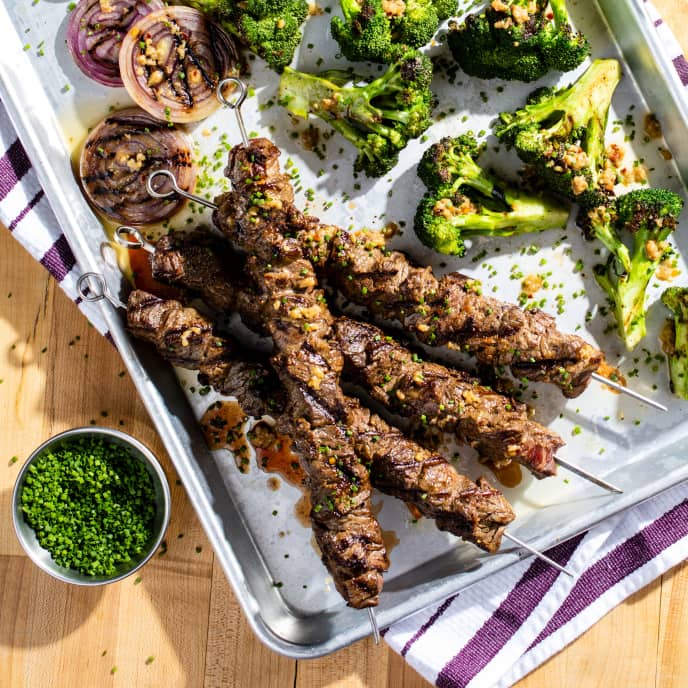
(180, 625)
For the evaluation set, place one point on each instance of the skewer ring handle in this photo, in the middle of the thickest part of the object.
(122, 234)
(176, 189)
(91, 287)
(237, 101)
(169, 176)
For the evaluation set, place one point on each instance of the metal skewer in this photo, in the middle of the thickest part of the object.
(374, 626)
(235, 103)
(176, 189)
(588, 476)
(121, 237)
(91, 286)
(538, 554)
(631, 393)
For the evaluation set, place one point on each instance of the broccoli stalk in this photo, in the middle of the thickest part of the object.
(463, 200)
(561, 134)
(269, 28)
(675, 339)
(519, 40)
(378, 30)
(378, 117)
(650, 215)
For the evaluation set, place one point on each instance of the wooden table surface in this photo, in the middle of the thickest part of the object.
(180, 626)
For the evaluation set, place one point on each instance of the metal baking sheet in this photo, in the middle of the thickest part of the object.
(53, 105)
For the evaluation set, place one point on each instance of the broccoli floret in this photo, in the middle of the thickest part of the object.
(561, 134)
(519, 40)
(270, 28)
(445, 8)
(378, 30)
(675, 339)
(463, 200)
(365, 33)
(378, 117)
(649, 215)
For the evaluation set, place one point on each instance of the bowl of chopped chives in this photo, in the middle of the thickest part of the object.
(91, 506)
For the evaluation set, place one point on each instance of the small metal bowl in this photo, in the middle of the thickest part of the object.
(42, 558)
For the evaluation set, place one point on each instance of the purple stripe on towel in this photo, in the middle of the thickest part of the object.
(682, 68)
(59, 259)
(421, 631)
(13, 166)
(31, 204)
(511, 614)
(621, 562)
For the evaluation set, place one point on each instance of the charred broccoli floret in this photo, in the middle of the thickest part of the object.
(675, 339)
(270, 28)
(561, 134)
(378, 117)
(649, 216)
(519, 40)
(463, 200)
(376, 30)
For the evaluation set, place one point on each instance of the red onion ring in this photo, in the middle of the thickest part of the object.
(171, 61)
(120, 153)
(95, 33)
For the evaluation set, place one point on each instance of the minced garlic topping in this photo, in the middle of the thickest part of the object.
(531, 285)
(186, 335)
(446, 208)
(393, 8)
(316, 378)
(667, 271)
(579, 184)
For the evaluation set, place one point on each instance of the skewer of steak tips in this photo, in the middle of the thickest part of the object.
(450, 310)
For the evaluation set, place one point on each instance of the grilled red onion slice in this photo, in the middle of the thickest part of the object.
(95, 33)
(172, 60)
(117, 158)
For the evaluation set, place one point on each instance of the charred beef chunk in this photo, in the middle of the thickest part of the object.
(199, 263)
(187, 339)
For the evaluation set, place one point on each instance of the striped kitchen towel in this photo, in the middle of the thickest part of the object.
(25, 211)
(497, 631)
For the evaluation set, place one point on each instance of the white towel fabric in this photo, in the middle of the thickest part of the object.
(497, 631)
